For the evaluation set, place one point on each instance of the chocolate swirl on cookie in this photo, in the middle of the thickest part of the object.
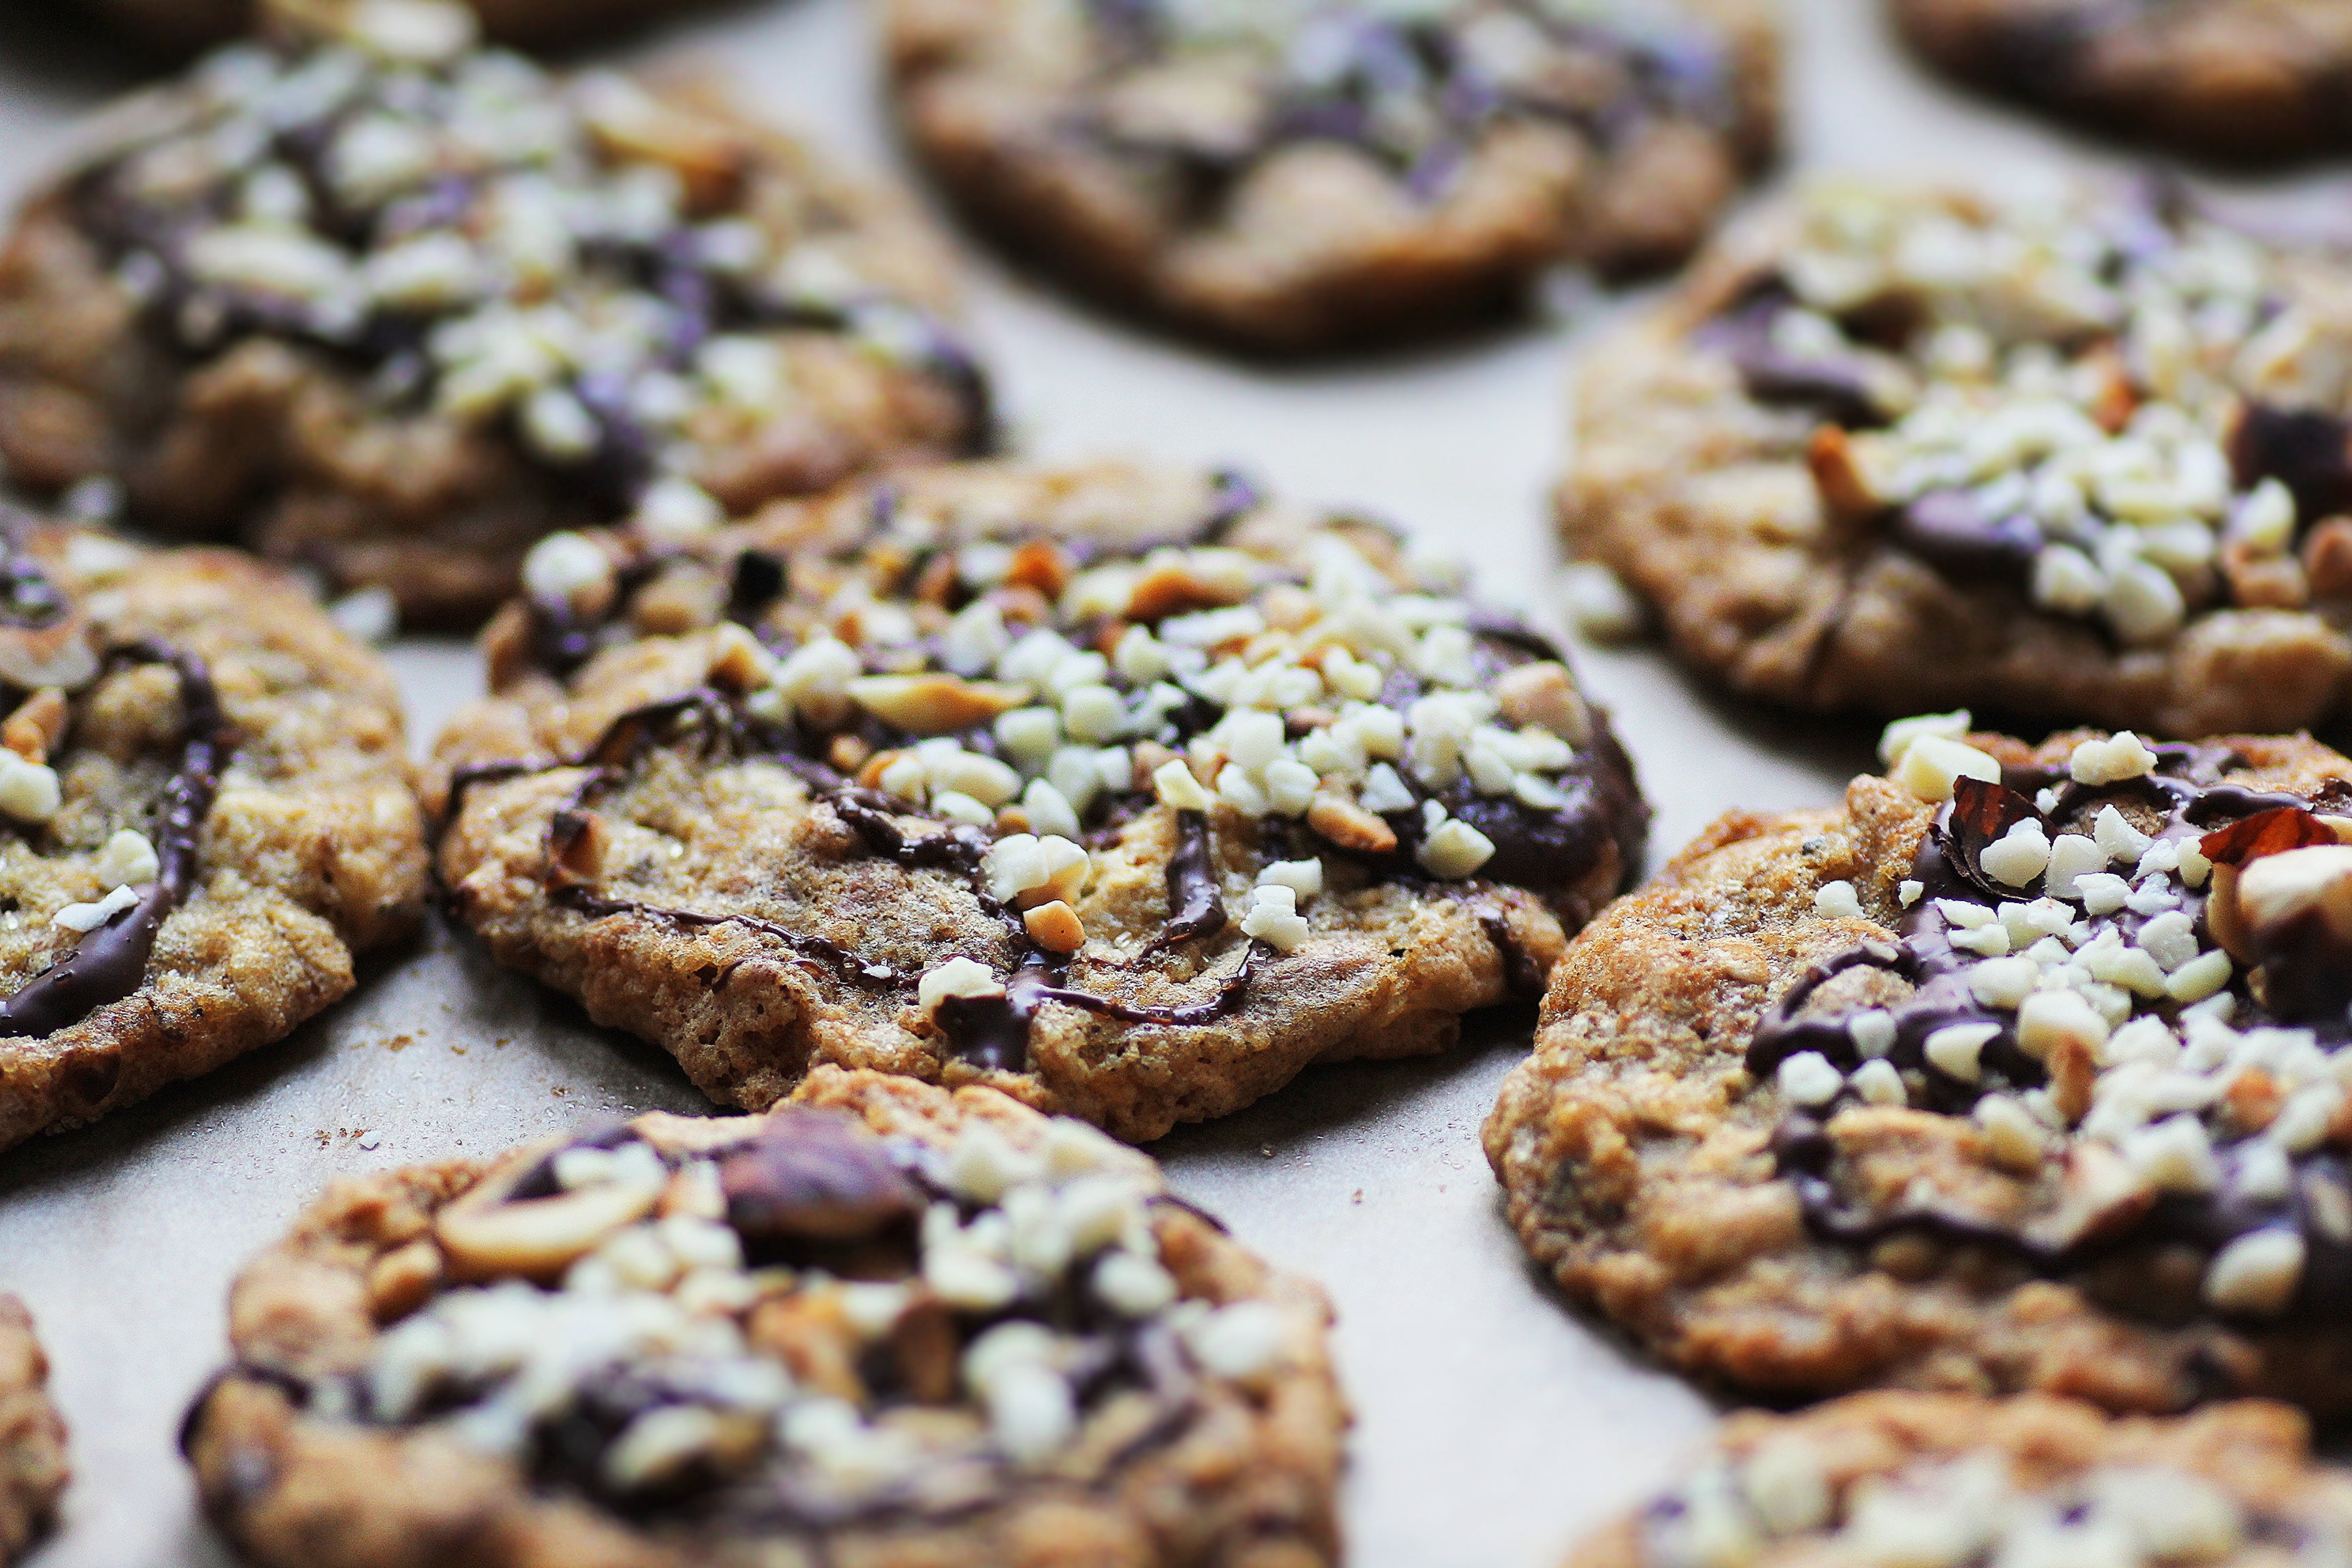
(2129, 972)
(1018, 709)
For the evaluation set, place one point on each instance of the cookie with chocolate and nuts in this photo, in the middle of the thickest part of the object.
(206, 812)
(179, 26)
(33, 1469)
(375, 301)
(2025, 1069)
(1123, 790)
(2238, 79)
(885, 1324)
(1883, 1479)
(1291, 177)
(2084, 458)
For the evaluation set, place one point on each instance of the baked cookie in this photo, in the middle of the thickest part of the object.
(208, 811)
(33, 1471)
(2023, 1071)
(1285, 175)
(181, 27)
(886, 1325)
(394, 306)
(2237, 78)
(2076, 457)
(1883, 1479)
(1124, 791)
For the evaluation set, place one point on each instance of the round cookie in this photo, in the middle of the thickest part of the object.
(208, 813)
(1123, 790)
(33, 1469)
(885, 1324)
(2023, 1071)
(2076, 457)
(179, 26)
(2235, 79)
(1288, 177)
(2030, 1482)
(378, 301)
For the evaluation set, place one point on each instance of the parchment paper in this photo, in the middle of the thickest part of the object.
(1494, 1426)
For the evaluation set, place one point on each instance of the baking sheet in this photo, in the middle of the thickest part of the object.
(1494, 1426)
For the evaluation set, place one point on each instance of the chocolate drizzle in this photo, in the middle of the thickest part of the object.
(1195, 905)
(109, 963)
(2186, 801)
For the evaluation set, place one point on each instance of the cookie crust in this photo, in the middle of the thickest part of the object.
(2249, 79)
(222, 752)
(517, 304)
(1779, 460)
(1171, 180)
(33, 1469)
(2238, 1483)
(774, 902)
(1666, 1184)
(1241, 1470)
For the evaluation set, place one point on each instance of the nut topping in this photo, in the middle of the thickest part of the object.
(814, 1176)
(536, 1238)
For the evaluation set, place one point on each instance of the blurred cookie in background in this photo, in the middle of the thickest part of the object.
(2229, 79)
(2071, 453)
(371, 299)
(1294, 177)
(183, 26)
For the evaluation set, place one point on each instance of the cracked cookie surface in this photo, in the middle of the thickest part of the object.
(887, 1324)
(2238, 79)
(1293, 177)
(1881, 1480)
(2023, 1071)
(1125, 790)
(33, 1469)
(206, 813)
(368, 298)
(2080, 458)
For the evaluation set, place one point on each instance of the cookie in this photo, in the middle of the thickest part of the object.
(885, 1324)
(33, 1471)
(1289, 177)
(1123, 790)
(375, 301)
(2234, 79)
(2074, 458)
(2028, 1482)
(181, 27)
(2023, 1071)
(208, 814)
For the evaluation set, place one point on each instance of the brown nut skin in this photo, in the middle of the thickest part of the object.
(812, 1178)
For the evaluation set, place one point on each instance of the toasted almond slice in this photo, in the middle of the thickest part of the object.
(536, 1238)
(36, 726)
(1545, 694)
(1349, 825)
(934, 704)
